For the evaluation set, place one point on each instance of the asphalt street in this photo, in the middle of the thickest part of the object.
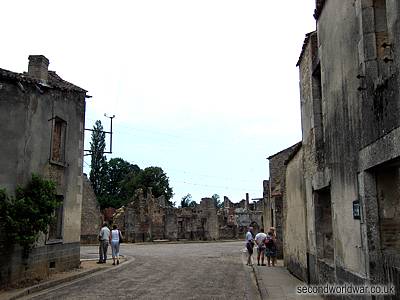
(166, 271)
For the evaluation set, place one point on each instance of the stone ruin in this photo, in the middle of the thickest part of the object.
(147, 218)
(91, 217)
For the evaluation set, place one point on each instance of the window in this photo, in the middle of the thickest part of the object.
(319, 112)
(323, 224)
(387, 187)
(58, 141)
(55, 228)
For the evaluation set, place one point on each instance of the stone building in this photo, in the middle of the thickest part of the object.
(343, 215)
(147, 218)
(274, 205)
(91, 217)
(41, 131)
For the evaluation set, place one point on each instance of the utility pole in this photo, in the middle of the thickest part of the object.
(89, 152)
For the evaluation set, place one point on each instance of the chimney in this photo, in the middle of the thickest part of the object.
(247, 201)
(38, 67)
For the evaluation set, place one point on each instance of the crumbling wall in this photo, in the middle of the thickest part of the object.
(91, 217)
(146, 218)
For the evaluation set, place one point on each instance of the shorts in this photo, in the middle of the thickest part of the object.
(260, 249)
(249, 247)
(271, 252)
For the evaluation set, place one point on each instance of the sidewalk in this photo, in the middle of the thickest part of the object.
(88, 266)
(277, 283)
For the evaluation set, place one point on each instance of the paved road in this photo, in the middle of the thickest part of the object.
(167, 271)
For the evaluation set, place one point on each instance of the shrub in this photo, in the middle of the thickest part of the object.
(30, 212)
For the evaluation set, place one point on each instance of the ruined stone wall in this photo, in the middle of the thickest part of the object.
(147, 218)
(209, 212)
(91, 218)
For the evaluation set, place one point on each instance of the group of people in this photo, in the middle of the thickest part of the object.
(265, 244)
(113, 237)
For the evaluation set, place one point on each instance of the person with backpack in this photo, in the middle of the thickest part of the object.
(270, 247)
(260, 241)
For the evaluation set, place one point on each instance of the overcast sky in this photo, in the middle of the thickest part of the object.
(207, 89)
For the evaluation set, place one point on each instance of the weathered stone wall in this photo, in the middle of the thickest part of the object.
(295, 234)
(91, 218)
(147, 218)
(349, 89)
(29, 110)
(15, 267)
(274, 208)
(341, 108)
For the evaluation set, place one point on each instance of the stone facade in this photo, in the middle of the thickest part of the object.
(91, 218)
(147, 218)
(42, 128)
(274, 206)
(349, 88)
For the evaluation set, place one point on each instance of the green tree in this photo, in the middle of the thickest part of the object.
(218, 203)
(192, 203)
(185, 201)
(153, 177)
(117, 172)
(98, 165)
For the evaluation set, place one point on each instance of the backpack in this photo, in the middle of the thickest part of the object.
(269, 242)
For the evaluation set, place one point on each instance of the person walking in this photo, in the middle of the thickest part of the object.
(104, 237)
(249, 245)
(116, 238)
(270, 247)
(260, 241)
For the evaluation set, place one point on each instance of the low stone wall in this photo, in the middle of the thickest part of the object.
(14, 268)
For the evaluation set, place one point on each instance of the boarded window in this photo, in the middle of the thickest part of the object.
(55, 228)
(58, 140)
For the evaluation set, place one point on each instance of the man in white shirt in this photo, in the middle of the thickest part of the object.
(249, 245)
(260, 241)
(104, 237)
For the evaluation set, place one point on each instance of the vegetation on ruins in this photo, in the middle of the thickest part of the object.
(121, 179)
(187, 201)
(30, 212)
(218, 203)
(117, 172)
(154, 178)
(99, 163)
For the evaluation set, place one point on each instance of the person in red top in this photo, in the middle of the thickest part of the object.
(270, 247)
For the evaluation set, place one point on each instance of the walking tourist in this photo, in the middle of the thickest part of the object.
(260, 241)
(104, 237)
(270, 247)
(116, 238)
(249, 245)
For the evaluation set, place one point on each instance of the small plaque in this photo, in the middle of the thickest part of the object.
(356, 210)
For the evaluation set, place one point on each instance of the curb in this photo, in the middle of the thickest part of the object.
(53, 283)
(259, 282)
(252, 275)
(162, 242)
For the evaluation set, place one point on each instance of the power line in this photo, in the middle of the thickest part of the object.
(216, 186)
